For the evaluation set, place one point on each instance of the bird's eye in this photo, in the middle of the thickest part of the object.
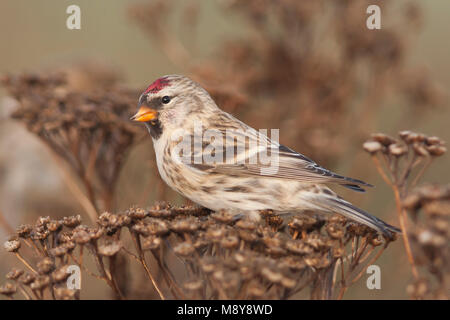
(165, 99)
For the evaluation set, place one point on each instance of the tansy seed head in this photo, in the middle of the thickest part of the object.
(382, 138)
(14, 274)
(12, 245)
(372, 146)
(24, 230)
(45, 266)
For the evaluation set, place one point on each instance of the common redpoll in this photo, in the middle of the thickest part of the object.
(219, 162)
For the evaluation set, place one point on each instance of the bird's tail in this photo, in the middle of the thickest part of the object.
(338, 205)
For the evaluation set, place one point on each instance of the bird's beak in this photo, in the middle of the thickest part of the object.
(144, 114)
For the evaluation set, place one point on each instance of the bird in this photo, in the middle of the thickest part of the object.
(219, 162)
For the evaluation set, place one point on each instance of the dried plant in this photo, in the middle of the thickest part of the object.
(223, 257)
(401, 163)
(87, 130)
(429, 209)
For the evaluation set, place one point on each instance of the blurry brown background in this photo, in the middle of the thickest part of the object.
(34, 38)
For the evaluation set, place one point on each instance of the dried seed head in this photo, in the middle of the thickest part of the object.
(412, 137)
(200, 242)
(12, 245)
(81, 236)
(248, 236)
(45, 266)
(24, 230)
(441, 225)
(62, 293)
(412, 201)
(438, 208)
(421, 137)
(335, 231)
(427, 237)
(246, 224)
(158, 227)
(337, 219)
(141, 228)
(40, 233)
(161, 205)
(95, 233)
(372, 146)
(418, 289)
(69, 245)
(215, 233)
(397, 149)
(318, 262)
(271, 275)
(436, 151)
(304, 223)
(27, 278)
(338, 252)
(189, 224)
(298, 247)
(273, 248)
(151, 243)
(358, 229)
(8, 289)
(275, 221)
(241, 257)
(54, 226)
(184, 249)
(65, 236)
(190, 211)
(136, 213)
(404, 134)
(433, 141)
(293, 263)
(208, 264)
(161, 210)
(41, 282)
(110, 249)
(420, 150)
(193, 285)
(123, 220)
(107, 219)
(61, 274)
(14, 274)
(375, 241)
(58, 251)
(246, 272)
(288, 283)
(42, 221)
(316, 242)
(256, 291)
(229, 242)
(223, 216)
(434, 192)
(382, 138)
(272, 242)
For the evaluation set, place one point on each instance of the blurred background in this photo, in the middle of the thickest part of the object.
(310, 68)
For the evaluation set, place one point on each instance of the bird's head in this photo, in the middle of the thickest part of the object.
(169, 101)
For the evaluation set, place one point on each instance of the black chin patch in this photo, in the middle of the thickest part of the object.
(155, 128)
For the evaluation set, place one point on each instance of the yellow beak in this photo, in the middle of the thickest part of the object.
(144, 114)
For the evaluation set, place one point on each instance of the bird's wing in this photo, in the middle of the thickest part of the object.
(247, 152)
